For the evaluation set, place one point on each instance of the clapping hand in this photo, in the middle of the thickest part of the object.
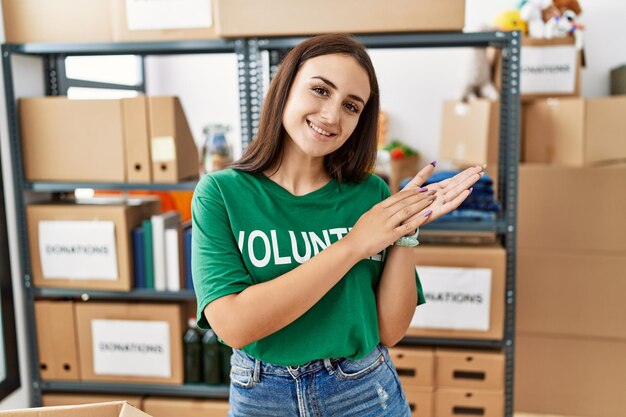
(450, 193)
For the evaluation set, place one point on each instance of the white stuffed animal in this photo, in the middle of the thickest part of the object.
(563, 26)
(532, 12)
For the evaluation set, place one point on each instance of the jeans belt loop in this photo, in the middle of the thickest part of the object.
(329, 366)
(256, 374)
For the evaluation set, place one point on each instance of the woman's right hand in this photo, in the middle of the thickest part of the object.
(383, 224)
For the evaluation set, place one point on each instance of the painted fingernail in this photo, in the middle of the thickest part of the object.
(423, 189)
(470, 190)
(434, 163)
(428, 213)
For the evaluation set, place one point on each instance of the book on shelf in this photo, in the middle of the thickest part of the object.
(148, 255)
(160, 224)
(187, 241)
(139, 262)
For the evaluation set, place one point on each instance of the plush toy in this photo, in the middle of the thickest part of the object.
(565, 23)
(509, 20)
(536, 13)
(476, 77)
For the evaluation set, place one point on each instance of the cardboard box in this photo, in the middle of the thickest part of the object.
(571, 293)
(112, 409)
(84, 245)
(137, 140)
(488, 260)
(166, 407)
(401, 169)
(56, 340)
(549, 68)
(72, 140)
(456, 402)
(239, 18)
(469, 369)
(162, 21)
(174, 152)
(415, 366)
(575, 131)
(552, 215)
(421, 401)
(470, 132)
(56, 21)
(130, 342)
(57, 399)
(570, 376)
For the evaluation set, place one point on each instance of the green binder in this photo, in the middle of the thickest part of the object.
(149, 259)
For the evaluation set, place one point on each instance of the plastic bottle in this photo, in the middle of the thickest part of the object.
(210, 358)
(192, 346)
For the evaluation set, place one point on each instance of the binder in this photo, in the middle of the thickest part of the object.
(187, 240)
(136, 140)
(148, 260)
(160, 223)
(139, 262)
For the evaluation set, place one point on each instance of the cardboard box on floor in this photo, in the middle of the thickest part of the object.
(469, 369)
(56, 21)
(571, 293)
(56, 266)
(166, 407)
(552, 214)
(57, 399)
(469, 258)
(575, 131)
(56, 341)
(570, 375)
(284, 17)
(112, 409)
(470, 132)
(130, 342)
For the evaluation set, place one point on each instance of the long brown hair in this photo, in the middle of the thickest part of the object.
(357, 156)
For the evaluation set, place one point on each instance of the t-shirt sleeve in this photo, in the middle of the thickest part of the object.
(216, 263)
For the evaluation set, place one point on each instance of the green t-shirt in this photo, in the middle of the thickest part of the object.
(247, 229)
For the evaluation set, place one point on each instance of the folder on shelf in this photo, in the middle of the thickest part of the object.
(187, 240)
(139, 263)
(173, 151)
(136, 140)
(160, 223)
(174, 268)
(148, 256)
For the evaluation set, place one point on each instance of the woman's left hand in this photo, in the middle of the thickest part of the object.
(450, 193)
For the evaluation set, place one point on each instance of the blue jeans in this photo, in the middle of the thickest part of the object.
(329, 387)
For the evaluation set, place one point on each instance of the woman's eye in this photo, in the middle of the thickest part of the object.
(352, 107)
(321, 91)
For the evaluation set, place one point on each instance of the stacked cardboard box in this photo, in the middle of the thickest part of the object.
(571, 339)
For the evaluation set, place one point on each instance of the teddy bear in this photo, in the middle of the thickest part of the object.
(536, 13)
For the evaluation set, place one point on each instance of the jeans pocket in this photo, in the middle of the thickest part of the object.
(241, 377)
(349, 369)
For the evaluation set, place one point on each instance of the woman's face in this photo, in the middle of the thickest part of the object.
(326, 99)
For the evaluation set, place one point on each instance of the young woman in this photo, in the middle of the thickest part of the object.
(294, 261)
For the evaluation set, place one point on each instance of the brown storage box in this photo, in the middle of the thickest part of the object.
(72, 140)
(401, 169)
(459, 403)
(570, 376)
(469, 132)
(549, 68)
(415, 366)
(491, 257)
(122, 31)
(575, 131)
(56, 399)
(469, 369)
(56, 21)
(167, 407)
(553, 215)
(109, 355)
(112, 409)
(571, 293)
(125, 216)
(421, 401)
(174, 152)
(56, 341)
(285, 17)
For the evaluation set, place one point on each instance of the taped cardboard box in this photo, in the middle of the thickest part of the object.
(57, 399)
(550, 209)
(130, 342)
(469, 369)
(56, 341)
(56, 21)
(163, 20)
(456, 402)
(571, 293)
(464, 291)
(575, 131)
(415, 366)
(470, 132)
(421, 401)
(85, 245)
(571, 376)
(166, 407)
(284, 17)
(112, 409)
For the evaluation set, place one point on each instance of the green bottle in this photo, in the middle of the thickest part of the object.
(210, 358)
(192, 346)
(225, 354)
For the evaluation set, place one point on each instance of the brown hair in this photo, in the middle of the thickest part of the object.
(357, 156)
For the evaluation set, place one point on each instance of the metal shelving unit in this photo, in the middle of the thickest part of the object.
(249, 52)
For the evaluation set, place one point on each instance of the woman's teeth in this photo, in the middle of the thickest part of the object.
(318, 130)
